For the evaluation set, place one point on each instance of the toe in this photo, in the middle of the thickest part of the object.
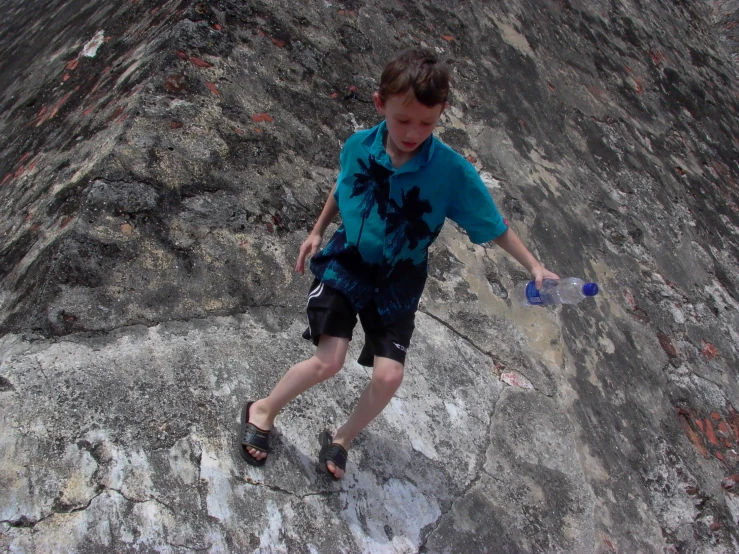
(256, 454)
(336, 471)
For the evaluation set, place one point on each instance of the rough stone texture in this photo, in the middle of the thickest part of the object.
(153, 199)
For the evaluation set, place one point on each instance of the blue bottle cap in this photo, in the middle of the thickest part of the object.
(590, 289)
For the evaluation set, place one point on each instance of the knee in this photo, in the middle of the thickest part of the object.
(388, 375)
(327, 367)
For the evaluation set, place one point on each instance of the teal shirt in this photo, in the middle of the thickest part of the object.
(391, 216)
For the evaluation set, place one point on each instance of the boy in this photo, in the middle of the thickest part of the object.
(397, 185)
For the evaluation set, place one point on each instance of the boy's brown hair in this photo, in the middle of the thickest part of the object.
(419, 71)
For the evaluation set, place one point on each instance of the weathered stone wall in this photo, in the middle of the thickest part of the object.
(152, 203)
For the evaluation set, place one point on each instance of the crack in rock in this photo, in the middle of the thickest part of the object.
(25, 522)
(478, 348)
(275, 488)
(476, 479)
(193, 548)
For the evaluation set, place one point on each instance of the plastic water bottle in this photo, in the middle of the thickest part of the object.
(565, 291)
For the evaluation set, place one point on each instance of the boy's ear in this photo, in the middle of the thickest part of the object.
(379, 106)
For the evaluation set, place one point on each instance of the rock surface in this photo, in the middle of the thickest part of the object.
(161, 163)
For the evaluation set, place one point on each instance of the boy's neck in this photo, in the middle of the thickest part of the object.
(398, 157)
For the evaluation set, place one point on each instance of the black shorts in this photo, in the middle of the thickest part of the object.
(330, 313)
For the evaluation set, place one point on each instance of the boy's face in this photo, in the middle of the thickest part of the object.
(409, 122)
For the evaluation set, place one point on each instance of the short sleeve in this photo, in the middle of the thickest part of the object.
(473, 209)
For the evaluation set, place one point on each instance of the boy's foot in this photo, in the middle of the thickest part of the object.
(333, 454)
(255, 434)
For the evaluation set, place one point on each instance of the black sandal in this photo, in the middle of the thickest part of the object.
(253, 437)
(332, 452)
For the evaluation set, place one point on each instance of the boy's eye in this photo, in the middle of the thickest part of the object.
(403, 121)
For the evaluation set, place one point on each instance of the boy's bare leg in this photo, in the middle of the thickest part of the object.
(386, 378)
(326, 362)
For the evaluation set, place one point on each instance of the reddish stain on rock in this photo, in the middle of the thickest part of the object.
(699, 423)
(35, 227)
(72, 64)
(447, 38)
(56, 108)
(734, 424)
(257, 129)
(470, 158)
(278, 42)
(694, 437)
(175, 83)
(19, 171)
(7, 178)
(720, 456)
(217, 27)
(270, 228)
(116, 113)
(723, 427)
(709, 351)
(334, 95)
(715, 415)
(257, 118)
(238, 131)
(667, 345)
(200, 63)
(710, 432)
(175, 124)
(641, 315)
(268, 118)
(65, 222)
(212, 88)
(181, 55)
(715, 526)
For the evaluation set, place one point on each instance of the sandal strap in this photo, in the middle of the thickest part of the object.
(256, 438)
(338, 455)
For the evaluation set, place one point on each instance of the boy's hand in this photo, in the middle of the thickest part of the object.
(539, 273)
(309, 246)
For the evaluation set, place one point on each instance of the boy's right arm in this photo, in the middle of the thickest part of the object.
(313, 242)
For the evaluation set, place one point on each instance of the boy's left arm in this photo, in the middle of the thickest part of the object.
(510, 242)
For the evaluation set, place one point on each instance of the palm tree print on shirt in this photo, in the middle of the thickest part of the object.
(406, 225)
(373, 184)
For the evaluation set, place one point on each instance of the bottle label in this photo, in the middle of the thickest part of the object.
(532, 295)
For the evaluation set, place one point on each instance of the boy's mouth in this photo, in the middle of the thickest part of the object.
(410, 144)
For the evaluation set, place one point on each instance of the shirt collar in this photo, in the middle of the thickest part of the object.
(373, 143)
